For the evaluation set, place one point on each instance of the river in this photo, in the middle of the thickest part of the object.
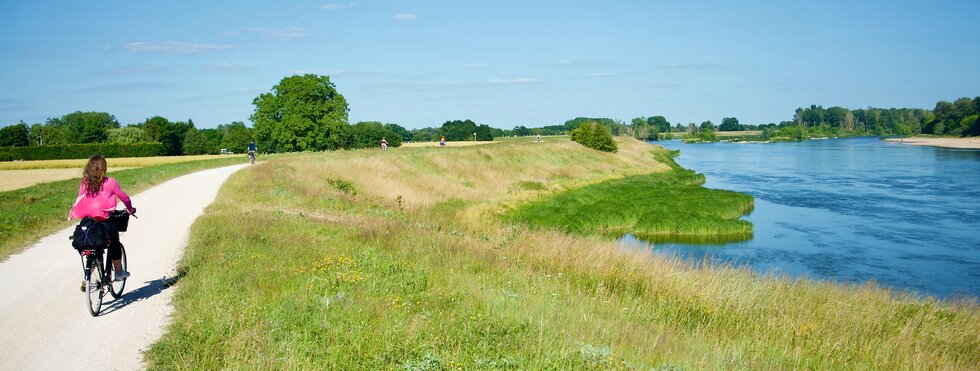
(850, 210)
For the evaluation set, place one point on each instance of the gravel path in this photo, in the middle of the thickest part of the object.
(44, 323)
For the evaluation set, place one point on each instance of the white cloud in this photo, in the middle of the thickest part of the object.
(107, 48)
(122, 87)
(563, 62)
(517, 81)
(172, 47)
(404, 17)
(336, 6)
(131, 69)
(225, 67)
(282, 33)
(357, 73)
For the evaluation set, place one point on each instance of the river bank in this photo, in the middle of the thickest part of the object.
(399, 259)
(967, 143)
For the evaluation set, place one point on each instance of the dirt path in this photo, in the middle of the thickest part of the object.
(44, 323)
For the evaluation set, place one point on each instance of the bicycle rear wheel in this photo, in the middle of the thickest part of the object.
(116, 287)
(96, 289)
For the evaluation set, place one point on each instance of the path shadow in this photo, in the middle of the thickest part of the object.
(148, 290)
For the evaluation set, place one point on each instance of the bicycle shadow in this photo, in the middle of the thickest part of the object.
(149, 290)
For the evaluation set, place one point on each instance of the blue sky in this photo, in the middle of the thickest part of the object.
(502, 63)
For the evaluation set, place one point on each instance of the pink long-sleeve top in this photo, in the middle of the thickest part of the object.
(99, 205)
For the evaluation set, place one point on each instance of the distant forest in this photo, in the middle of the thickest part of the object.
(958, 118)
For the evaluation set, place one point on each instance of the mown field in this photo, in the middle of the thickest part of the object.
(126, 162)
(32, 212)
(407, 259)
(20, 174)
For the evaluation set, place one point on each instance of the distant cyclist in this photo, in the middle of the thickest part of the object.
(384, 144)
(251, 152)
(96, 198)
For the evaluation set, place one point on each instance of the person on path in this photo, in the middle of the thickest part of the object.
(251, 152)
(442, 141)
(96, 198)
(384, 144)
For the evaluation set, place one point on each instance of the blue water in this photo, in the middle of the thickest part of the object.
(850, 210)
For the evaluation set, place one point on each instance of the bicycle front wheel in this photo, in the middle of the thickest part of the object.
(116, 287)
(96, 289)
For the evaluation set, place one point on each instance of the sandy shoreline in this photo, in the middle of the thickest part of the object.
(969, 143)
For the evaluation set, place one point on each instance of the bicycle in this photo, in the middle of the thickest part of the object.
(251, 157)
(99, 273)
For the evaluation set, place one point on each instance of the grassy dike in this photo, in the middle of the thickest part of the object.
(37, 211)
(400, 259)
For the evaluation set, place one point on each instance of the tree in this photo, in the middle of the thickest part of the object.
(15, 135)
(170, 134)
(126, 135)
(463, 131)
(402, 132)
(85, 127)
(595, 136)
(707, 125)
(236, 137)
(660, 123)
(730, 124)
(522, 131)
(425, 135)
(302, 113)
(195, 143)
(367, 134)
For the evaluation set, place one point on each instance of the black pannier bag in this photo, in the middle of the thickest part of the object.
(119, 219)
(89, 234)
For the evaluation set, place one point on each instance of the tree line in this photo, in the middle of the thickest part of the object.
(176, 137)
(307, 113)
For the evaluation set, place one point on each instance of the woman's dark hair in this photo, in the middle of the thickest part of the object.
(94, 175)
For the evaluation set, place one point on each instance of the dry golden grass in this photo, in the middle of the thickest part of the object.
(16, 179)
(424, 176)
(127, 162)
(448, 144)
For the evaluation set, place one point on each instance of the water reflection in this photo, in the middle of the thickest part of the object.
(850, 210)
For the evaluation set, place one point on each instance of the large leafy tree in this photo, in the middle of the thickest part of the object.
(170, 134)
(15, 135)
(126, 135)
(236, 137)
(85, 127)
(730, 124)
(463, 130)
(401, 131)
(302, 113)
(368, 134)
(660, 122)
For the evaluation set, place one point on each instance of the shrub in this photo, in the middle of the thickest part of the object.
(71, 151)
(595, 136)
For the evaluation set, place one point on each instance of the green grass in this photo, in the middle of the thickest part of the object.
(660, 207)
(287, 270)
(34, 212)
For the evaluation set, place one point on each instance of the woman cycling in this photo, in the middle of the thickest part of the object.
(96, 198)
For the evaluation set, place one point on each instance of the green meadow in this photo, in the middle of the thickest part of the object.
(412, 259)
(661, 207)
